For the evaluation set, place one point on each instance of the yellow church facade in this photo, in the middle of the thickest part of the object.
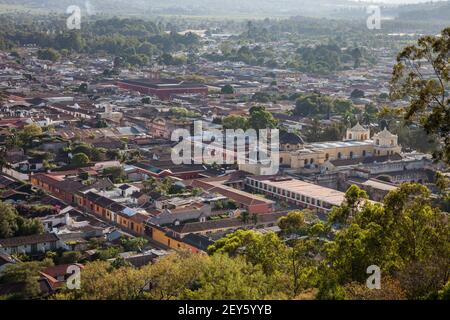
(356, 144)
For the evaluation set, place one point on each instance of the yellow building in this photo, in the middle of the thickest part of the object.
(357, 143)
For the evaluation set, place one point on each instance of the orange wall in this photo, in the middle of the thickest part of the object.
(161, 237)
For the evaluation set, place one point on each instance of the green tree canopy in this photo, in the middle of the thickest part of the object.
(427, 91)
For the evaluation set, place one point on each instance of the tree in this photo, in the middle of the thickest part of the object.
(357, 93)
(232, 242)
(305, 107)
(101, 281)
(150, 184)
(406, 237)
(354, 199)
(444, 294)
(28, 133)
(80, 160)
(13, 225)
(391, 290)
(301, 267)
(83, 88)
(227, 89)
(108, 253)
(164, 185)
(133, 244)
(226, 278)
(294, 222)
(245, 216)
(235, 122)
(28, 227)
(48, 54)
(261, 119)
(196, 191)
(174, 275)
(357, 55)
(115, 174)
(427, 92)
(8, 220)
(70, 257)
(146, 100)
(318, 104)
(26, 273)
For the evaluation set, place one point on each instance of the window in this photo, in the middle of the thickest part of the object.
(351, 154)
(364, 153)
(327, 156)
(339, 155)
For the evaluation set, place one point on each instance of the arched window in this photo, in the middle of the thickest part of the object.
(364, 153)
(306, 162)
(351, 154)
(350, 136)
(311, 161)
(339, 155)
(327, 156)
(378, 142)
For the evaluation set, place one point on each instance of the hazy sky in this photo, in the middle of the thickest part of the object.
(397, 1)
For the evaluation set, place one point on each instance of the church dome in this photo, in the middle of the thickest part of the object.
(358, 128)
(385, 134)
(290, 138)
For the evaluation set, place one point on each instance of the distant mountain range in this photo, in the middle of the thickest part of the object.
(236, 8)
(194, 7)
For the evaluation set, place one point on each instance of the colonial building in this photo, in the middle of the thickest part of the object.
(164, 89)
(300, 193)
(297, 155)
(356, 144)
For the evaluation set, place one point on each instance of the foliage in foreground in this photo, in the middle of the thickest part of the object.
(406, 237)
